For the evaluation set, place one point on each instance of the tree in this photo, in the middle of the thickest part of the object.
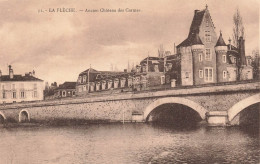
(256, 64)
(238, 29)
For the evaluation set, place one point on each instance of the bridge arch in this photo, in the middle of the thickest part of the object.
(175, 100)
(241, 105)
(2, 117)
(24, 116)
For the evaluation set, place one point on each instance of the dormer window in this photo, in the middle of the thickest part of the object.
(84, 78)
(79, 79)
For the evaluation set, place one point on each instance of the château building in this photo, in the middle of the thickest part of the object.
(202, 58)
(18, 88)
(91, 80)
(143, 77)
(205, 58)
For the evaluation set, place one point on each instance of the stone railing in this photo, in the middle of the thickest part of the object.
(167, 92)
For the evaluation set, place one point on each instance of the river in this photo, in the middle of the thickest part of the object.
(127, 143)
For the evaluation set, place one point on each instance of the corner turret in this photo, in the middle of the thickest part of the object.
(224, 70)
(221, 45)
(196, 43)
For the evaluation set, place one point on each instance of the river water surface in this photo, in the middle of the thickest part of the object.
(127, 143)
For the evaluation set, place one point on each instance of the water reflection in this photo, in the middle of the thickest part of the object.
(128, 143)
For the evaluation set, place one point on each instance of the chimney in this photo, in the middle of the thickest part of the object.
(30, 73)
(229, 40)
(241, 42)
(195, 11)
(11, 72)
(33, 73)
(0, 73)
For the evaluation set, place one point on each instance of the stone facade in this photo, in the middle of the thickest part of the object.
(18, 88)
(208, 59)
(103, 81)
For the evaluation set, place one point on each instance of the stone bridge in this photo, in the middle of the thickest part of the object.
(217, 104)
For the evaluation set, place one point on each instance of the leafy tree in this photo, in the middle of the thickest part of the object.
(238, 28)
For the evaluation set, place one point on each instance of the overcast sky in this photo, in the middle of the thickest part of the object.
(58, 46)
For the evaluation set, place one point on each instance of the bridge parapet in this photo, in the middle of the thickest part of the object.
(174, 92)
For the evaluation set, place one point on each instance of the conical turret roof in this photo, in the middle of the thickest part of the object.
(220, 41)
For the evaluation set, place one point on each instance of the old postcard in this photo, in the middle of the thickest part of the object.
(141, 81)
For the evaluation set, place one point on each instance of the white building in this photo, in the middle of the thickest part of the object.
(18, 88)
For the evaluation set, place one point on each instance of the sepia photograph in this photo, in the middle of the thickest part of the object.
(129, 82)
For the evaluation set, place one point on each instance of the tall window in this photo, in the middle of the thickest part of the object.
(224, 58)
(235, 60)
(200, 57)
(162, 79)
(208, 74)
(201, 73)
(224, 74)
(14, 95)
(208, 55)
(22, 94)
(207, 36)
(34, 93)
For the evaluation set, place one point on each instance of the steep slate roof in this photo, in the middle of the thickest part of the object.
(196, 22)
(153, 58)
(67, 85)
(118, 75)
(220, 41)
(91, 70)
(19, 78)
(194, 29)
(196, 40)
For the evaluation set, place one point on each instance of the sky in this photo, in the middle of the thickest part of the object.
(60, 45)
